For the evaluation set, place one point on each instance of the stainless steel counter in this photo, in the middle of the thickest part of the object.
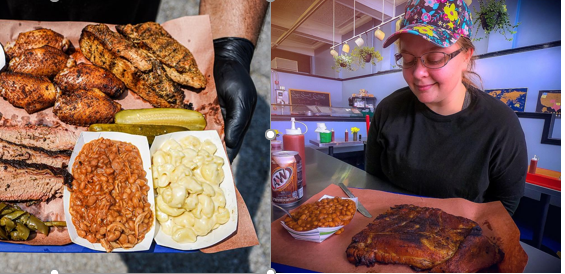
(323, 170)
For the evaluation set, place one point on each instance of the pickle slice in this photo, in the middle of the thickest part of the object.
(189, 119)
(150, 131)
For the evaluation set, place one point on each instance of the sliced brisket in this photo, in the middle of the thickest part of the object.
(20, 181)
(10, 151)
(53, 139)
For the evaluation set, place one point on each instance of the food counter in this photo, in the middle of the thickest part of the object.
(324, 170)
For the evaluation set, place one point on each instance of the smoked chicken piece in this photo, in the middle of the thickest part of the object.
(118, 46)
(178, 61)
(33, 93)
(79, 57)
(85, 107)
(420, 237)
(36, 39)
(85, 76)
(44, 61)
(96, 43)
(140, 31)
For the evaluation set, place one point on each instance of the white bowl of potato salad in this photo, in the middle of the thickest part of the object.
(196, 205)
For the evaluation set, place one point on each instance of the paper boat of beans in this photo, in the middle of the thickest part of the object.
(317, 221)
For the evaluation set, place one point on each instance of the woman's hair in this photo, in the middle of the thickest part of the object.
(468, 74)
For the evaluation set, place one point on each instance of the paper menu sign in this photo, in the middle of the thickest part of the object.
(227, 186)
(141, 143)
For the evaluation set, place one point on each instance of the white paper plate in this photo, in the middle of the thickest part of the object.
(141, 143)
(2, 58)
(227, 186)
(319, 234)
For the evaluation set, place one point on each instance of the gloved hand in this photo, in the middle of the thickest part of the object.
(236, 92)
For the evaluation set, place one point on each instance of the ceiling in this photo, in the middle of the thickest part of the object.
(302, 26)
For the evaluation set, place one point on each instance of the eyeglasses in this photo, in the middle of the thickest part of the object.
(433, 60)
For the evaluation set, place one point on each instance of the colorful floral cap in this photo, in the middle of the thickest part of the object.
(441, 22)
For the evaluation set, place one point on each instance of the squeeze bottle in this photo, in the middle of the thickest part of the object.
(534, 164)
(293, 140)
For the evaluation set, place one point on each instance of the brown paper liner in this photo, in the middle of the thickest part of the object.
(194, 32)
(329, 256)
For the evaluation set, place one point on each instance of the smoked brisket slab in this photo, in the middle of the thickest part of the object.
(422, 238)
(31, 182)
(51, 139)
(10, 151)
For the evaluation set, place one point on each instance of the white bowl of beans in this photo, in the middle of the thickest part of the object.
(110, 205)
(315, 222)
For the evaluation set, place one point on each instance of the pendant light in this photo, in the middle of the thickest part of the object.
(333, 52)
(345, 47)
(379, 33)
(359, 40)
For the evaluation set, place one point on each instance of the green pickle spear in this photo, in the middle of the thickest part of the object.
(150, 131)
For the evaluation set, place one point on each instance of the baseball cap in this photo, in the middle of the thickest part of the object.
(441, 22)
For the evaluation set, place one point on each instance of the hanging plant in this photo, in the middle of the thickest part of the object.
(343, 62)
(493, 17)
(365, 55)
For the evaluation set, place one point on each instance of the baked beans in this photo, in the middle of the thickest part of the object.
(109, 196)
(329, 212)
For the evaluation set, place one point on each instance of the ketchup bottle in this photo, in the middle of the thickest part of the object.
(293, 140)
(533, 164)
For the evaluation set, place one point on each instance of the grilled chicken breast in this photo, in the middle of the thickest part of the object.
(33, 93)
(178, 61)
(118, 46)
(86, 76)
(97, 44)
(137, 32)
(36, 39)
(420, 237)
(85, 107)
(44, 61)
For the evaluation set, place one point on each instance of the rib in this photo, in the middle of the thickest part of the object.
(417, 236)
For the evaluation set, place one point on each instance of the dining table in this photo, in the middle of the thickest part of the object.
(323, 170)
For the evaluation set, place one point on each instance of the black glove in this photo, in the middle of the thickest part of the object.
(236, 92)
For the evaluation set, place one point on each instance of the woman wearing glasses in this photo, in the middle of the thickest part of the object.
(442, 136)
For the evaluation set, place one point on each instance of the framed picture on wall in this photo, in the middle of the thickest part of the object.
(515, 98)
(549, 101)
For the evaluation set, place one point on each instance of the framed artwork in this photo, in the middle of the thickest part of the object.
(549, 101)
(515, 98)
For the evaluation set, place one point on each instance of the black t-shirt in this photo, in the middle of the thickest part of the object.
(478, 153)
